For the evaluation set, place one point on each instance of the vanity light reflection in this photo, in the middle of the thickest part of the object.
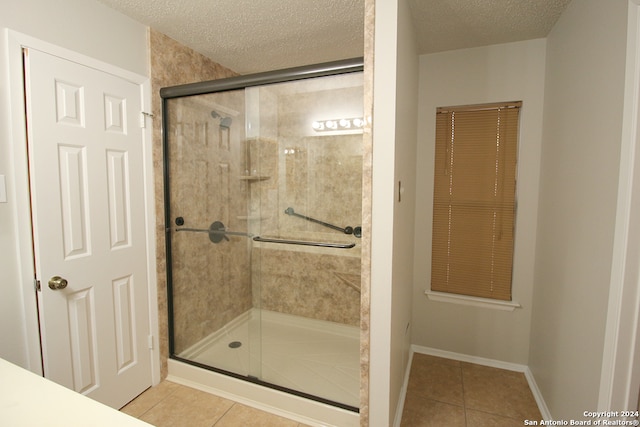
(352, 124)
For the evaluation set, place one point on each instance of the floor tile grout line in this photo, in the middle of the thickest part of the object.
(494, 412)
(464, 400)
(498, 415)
(225, 413)
(155, 404)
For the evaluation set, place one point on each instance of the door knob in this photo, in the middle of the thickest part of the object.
(57, 282)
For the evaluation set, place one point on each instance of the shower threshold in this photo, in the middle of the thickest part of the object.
(312, 357)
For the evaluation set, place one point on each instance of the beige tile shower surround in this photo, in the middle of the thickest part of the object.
(170, 64)
(365, 255)
(340, 277)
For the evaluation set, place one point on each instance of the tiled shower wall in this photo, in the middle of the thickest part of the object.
(320, 176)
(170, 64)
(367, 193)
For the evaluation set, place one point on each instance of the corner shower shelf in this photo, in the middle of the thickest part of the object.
(253, 177)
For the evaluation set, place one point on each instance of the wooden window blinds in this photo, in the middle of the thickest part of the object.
(474, 200)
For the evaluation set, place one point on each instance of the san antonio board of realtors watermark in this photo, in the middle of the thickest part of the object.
(600, 418)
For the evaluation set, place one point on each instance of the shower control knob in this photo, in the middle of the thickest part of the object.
(179, 221)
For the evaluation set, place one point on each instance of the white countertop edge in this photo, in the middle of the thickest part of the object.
(28, 400)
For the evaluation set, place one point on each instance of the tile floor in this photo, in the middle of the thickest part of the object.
(173, 405)
(444, 392)
(441, 393)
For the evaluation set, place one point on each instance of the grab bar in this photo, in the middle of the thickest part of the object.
(357, 231)
(305, 243)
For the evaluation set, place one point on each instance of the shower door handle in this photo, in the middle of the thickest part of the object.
(216, 231)
(304, 243)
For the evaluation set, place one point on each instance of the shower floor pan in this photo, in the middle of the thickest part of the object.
(315, 357)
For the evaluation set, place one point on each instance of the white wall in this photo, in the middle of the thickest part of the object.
(620, 379)
(506, 72)
(404, 200)
(394, 136)
(385, 45)
(577, 212)
(91, 29)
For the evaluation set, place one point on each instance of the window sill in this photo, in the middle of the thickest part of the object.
(473, 301)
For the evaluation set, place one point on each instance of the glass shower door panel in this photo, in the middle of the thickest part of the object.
(306, 137)
(211, 290)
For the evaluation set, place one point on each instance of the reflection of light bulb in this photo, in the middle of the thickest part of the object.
(348, 125)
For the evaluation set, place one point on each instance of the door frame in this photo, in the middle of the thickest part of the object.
(26, 260)
(620, 374)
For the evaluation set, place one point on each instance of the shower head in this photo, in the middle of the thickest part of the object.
(225, 122)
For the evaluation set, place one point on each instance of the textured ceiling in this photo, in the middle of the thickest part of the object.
(250, 36)
(455, 24)
(257, 35)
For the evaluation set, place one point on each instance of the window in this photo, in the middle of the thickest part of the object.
(474, 200)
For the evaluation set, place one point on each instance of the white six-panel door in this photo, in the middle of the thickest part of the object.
(86, 172)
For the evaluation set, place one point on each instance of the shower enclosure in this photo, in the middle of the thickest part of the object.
(263, 190)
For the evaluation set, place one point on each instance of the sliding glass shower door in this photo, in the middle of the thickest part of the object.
(263, 211)
(210, 270)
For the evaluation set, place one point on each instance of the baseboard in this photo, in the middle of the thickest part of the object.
(544, 410)
(542, 405)
(470, 359)
(403, 392)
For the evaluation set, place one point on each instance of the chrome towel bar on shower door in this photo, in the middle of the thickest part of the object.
(304, 243)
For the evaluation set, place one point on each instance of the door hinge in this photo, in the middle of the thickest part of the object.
(150, 342)
(143, 118)
(36, 284)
